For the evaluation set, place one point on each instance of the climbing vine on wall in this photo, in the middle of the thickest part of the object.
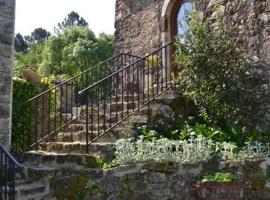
(22, 114)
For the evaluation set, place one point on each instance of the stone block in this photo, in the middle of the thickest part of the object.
(6, 50)
(6, 38)
(4, 110)
(4, 139)
(5, 124)
(5, 83)
(5, 64)
(7, 12)
(5, 99)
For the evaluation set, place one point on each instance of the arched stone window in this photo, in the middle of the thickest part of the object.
(173, 23)
(173, 18)
(180, 19)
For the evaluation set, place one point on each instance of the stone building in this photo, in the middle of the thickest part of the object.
(7, 16)
(146, 25)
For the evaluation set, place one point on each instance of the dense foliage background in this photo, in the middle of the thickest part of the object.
(72, 49)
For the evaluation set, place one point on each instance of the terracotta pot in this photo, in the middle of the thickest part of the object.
(220, 191)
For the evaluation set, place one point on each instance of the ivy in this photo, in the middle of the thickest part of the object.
(22, 114)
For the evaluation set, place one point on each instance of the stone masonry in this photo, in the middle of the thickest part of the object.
(143, 26)
(7, 19)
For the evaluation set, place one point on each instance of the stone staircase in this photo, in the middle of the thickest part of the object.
(67, 151)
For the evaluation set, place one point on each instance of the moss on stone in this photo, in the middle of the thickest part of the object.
(71, 188)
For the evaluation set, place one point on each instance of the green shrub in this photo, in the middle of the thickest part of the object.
(213, 74)
(220, 177)
(22, 115)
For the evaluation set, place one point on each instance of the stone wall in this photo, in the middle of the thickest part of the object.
(7, 16)
(158, 181)
(142, 26)
(137, 26)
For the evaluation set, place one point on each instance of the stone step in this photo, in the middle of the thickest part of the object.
(96, 149)
(22, 181)
(58, 160)
(126, 97)
(30, 191)
(80, 136)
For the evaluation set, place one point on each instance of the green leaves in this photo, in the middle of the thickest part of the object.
(220, 177)
(67, 54)
(213, 72)
(22, 115)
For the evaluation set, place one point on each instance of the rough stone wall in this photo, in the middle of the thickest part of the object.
(159, 181)
(7, 18)
(140, 29)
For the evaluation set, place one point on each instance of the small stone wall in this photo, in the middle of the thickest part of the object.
(158, 181)
(7, 15)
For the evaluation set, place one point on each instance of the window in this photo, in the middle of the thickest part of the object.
(180, 22)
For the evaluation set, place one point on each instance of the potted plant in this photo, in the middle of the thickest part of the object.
(220, 186)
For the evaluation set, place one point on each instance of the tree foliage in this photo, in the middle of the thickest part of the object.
(73, 19)
(66, 54)
(38, 35)
(213, 73)
(20, 43)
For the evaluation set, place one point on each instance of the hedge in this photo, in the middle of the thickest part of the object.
(22, 114)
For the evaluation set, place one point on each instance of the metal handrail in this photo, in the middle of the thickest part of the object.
(146, 83)
(10, 157)
(8, 168)
(76, 76)
(122, 69)
(51, 107)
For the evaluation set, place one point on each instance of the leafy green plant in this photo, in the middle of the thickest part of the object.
(22, 115)
(220, 177)
(213, 74)
(163, 150)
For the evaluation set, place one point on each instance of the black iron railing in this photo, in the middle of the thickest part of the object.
(114, 98)
(8, 168)
(59, 106)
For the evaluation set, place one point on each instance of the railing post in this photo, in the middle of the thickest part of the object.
(87, 125)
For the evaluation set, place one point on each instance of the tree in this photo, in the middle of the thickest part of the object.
(73, 19)
(213, 74)
(37, 36)
(20, 43)
(66, 54)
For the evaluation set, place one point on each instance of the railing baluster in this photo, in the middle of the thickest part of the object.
(1, 174)
(12, 191)
(92, 114)
(161, 70)
(104, 105)
(36, 120)
(8, 167)
(42, 115)
(98, 111)
(122, 84)
(49, 112)
(61, 105)
(66, 103)
(5, 175)
(133, 86)
(87, 124)
(166, 67)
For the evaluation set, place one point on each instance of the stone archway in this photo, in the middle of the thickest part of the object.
(169, 14)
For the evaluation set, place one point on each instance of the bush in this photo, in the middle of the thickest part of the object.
(22, 115)
(213, 74)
